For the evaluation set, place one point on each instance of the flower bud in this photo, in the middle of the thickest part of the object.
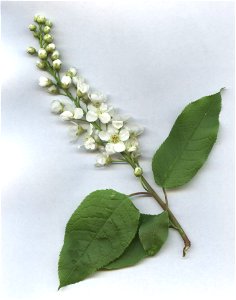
(53, 90)
(66, 82)
(36, 34)
(46, 29)
(56, 64)
(32, 27)
(66, 115)
(41, 64)
(31, 50)
(82, 88)
(138, 171)
(71, 72)
(78, 113)
(55, 55)
(50, 47)
(35, 17)
(48, 23)
(40, 19)
(57, 107)
(42, 53)
(44, 81)
(48, 38)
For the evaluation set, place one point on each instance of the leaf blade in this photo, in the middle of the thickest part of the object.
(189, 143)
(98, 232)
(153, 232)
(131, 256)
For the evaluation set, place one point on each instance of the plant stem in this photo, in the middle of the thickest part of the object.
(174, 222)
(165, 194)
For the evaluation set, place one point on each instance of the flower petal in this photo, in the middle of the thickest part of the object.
(117, 124)
(119, 147)
(92, 108)
(104, 135)
(110, 148)
(105, 118)
(91, 116)
(103, 107)
(78, 113)
(124, 135)
(66, 115)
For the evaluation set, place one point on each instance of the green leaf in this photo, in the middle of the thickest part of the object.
(98, 232)
(153, 232)
(132, 255)
(189, 143)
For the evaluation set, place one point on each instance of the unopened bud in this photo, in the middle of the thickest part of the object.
(41, 64)
(48, 23)
(32, 27)
(71, 72)
(50, 47)
(40, 19)
(138, 171)
(42, 53)
(66, 82)
(31, 50)
(46, 29)
(55, 55)
(48, 38)
(56, 64)
(57, 107)
(53, 90)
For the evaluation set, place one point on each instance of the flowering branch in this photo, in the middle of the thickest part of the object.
(102, 128)
(107, 231)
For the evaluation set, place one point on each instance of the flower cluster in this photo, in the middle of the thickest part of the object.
(89, 114)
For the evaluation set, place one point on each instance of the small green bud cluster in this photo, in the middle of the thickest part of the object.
(41, 31)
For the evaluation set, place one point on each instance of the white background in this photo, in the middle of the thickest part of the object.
(152, 59)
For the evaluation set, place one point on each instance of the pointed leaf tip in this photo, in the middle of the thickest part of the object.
(189, 143)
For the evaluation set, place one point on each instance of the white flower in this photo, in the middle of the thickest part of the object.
(90, 143)
(82, 87)
(132, 144)
(66, 115)
(115, 139)
(78, 113)
(101, 112)
(42, 53)
(56, 64)
(135, 130)
(57, 107)
(66, 82)
(44, 81)
(75, 130)
(103, 159)
(97, 97)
